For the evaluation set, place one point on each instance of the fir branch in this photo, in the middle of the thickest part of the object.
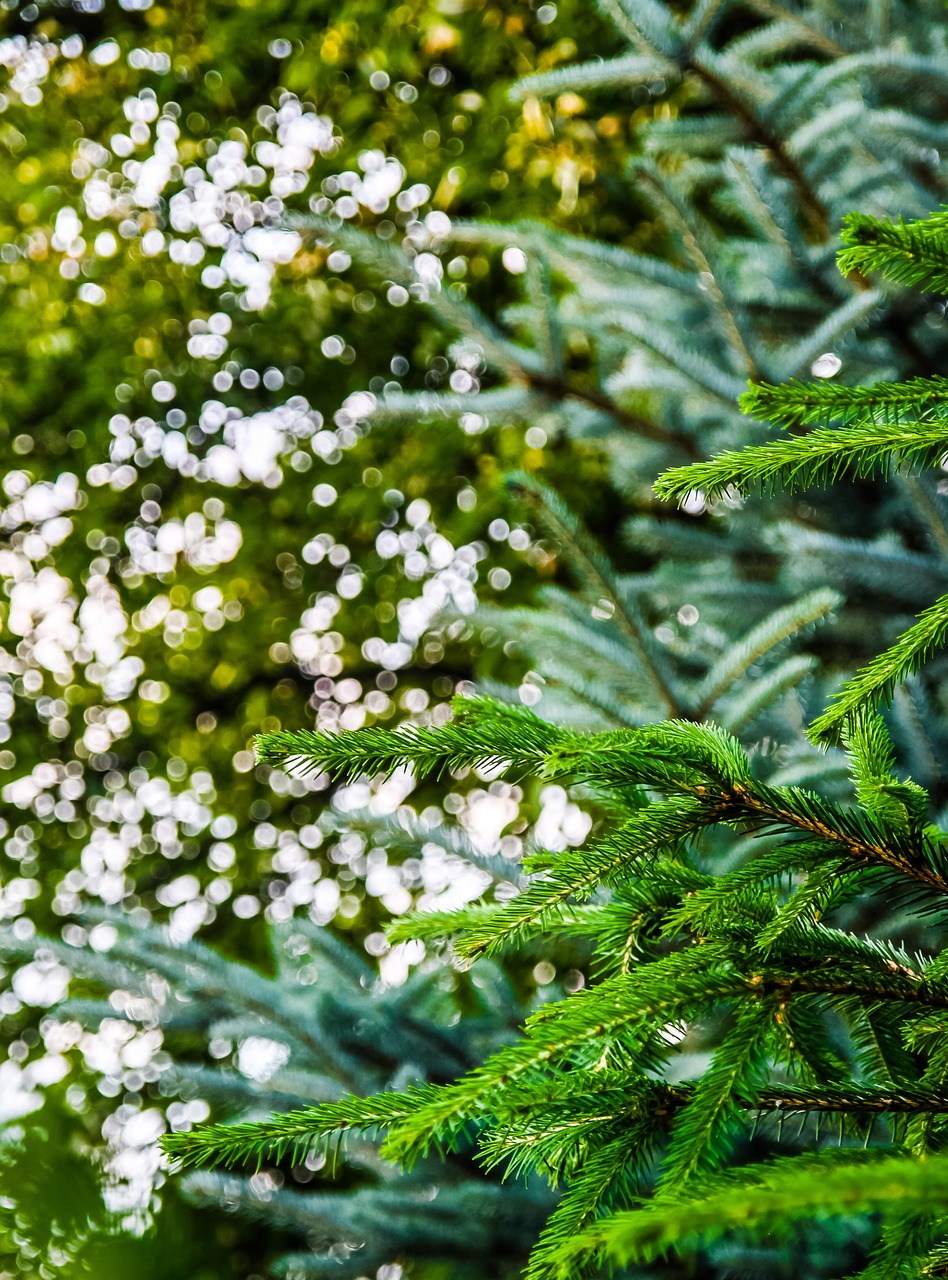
(823, 887)
(613, 1018)
(781, 624)
(553, 1128)
(558, 388)
(822, 457)
(906, 1238)
(834, 328)
(390, 263)
(744, 707)
(580, 258)
(855, 832)
(801, 404)
(290, 1135)
(435, 926)
(484, 734)
(762, 132)
(879, 1057)
(771, 1198)
(897, 805)
(700, 1134)
(594, 1189)
(646, 24)
(598, 577)
(923, 496)
(679, 214)
(522, 366)
(676, 756)
(655, 829)
(721, 892)
(876, 682)
(625, 70)
(908, 253)
(804, 25)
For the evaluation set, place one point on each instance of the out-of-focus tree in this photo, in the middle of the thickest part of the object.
(200, 535)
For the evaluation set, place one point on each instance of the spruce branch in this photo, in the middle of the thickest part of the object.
(484, 734)
(825, 456)
(556, 387)
(290, 1135)
(742, 708)
(855, 832)
(771, 1198)
(805, 25)
(897, 805)
(625, 70)
(760, 130)
(908, 253)
(760, 640)
(598, 577)
(803, 404)
(700, 1133)
(877, 681)
(679, 215)
(824, 885)
(653, 830)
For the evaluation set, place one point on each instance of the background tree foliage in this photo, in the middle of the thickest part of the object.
(187, 416)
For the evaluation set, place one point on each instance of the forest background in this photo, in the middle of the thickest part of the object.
(255, 478)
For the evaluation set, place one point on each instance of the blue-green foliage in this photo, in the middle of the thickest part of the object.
(337, 1030)
(790, 123)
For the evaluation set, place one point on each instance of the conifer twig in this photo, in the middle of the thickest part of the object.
(876, 681)
(908, 253)
(825, 456)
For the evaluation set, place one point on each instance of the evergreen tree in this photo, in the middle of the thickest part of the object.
(777, 125)
(758, 954)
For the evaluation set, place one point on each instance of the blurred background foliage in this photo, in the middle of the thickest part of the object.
(189, 470)
(198, 530)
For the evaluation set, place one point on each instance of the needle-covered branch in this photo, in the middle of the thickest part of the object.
(907, 253)
(825, 456)
(716, 893)
(877, 681)
(773, 1198)
(811, 404)
(501, 735)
